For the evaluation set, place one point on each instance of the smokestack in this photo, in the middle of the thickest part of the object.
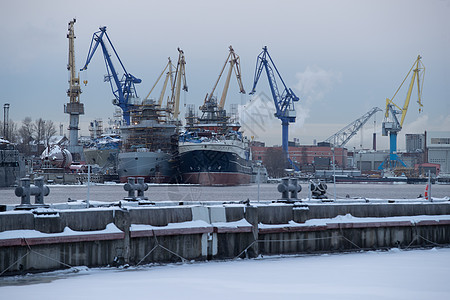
(6, 121)
(374, 141)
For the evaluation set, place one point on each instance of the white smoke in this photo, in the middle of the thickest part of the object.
(258, 121)
(312, 86)
(257, 117)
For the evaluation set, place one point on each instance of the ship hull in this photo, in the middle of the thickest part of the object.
(153, 166)
(102, 158)
(219, 178)
(214, 165)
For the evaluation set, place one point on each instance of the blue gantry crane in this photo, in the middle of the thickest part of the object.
(123, 89)
(284, 102)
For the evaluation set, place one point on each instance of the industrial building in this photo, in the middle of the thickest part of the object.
(415, 143)
(308, 158)
(438, 149)
(427, 151)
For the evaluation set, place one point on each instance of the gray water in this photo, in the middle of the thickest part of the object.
(164, 192)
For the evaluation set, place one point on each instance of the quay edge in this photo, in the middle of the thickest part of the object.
(46, 240)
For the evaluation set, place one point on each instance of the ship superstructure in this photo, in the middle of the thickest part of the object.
(147, 144)
(212, 149)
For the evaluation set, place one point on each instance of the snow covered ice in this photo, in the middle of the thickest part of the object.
(394, 274)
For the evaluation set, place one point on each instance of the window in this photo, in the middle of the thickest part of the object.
(439, 141)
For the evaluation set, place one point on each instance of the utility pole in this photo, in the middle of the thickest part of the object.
(334, 173)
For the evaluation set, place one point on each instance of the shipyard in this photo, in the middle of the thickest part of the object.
(280, 137)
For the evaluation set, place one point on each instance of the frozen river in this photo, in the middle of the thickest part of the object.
(115, 192)
(395, 274)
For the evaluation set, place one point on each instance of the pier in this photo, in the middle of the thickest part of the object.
(143, 232)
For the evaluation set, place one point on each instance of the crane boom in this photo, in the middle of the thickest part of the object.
(123, 89)
(169, 75)
(418, 70)
(234, 61)
(284, 102)
(341, 138)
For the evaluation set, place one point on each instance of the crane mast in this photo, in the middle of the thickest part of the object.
(234, 61)
(123, 89)
(284, 102)
(74, 108)
(391, 124)
(180, 74)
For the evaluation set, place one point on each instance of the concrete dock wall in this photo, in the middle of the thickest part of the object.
(53, 239)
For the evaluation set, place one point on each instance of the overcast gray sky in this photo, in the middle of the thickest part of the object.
(340, 57)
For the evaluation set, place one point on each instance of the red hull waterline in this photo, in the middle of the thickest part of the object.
(149, 179)
(210, 178)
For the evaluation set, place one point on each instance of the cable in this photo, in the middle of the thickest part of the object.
(158, 245)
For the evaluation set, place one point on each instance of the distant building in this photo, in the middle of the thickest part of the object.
(369, 160)
(415, 143)
(438, 149)
(307, 156)
(422, 169)
(257, 144)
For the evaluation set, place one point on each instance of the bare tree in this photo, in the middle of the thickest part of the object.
(275, 162)
(49, 132)
(26, 133)
(39, 134)
(13, 133)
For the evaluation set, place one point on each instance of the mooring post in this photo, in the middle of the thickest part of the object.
(283, 188)
(141, 187)
(129, 187)
(132, 187)
(39, 191)
(25, 190)
(294, 188)
(289, 185)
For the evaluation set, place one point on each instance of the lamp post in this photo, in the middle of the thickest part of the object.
(259, 178)
(88, 186)
(334, 174)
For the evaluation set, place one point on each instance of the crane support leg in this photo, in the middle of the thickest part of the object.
(394, 160)
(285, 137)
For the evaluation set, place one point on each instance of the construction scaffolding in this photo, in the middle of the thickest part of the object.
(149, 129)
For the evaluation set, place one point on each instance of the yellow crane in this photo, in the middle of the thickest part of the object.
(169, 76)
(234, 62)
(391, 125)
(173, 102)
(180, 74)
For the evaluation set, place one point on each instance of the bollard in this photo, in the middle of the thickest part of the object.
(131, 186)
(289, 185)
(295, 188)
(38, 190)
(141, 187)
(318, 189)
(283, 188)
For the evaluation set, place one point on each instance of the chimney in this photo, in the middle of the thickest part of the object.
(374, 141)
